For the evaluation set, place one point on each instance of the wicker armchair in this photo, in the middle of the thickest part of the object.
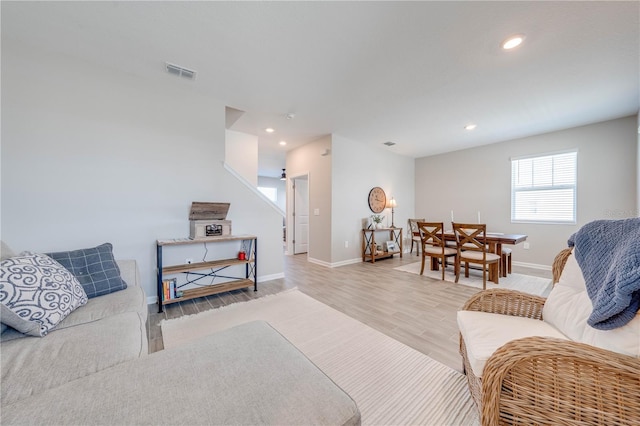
(540, 380)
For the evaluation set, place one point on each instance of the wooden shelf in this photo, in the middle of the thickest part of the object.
(382, 254)
(222, 238)
(369, 242)
(211, 269)
(208, 290)
(175, 269)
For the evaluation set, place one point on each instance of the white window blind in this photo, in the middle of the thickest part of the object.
(543, 189)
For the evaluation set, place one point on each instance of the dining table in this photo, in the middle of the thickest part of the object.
(494, 240)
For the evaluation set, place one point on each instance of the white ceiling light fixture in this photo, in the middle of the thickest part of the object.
(470, 126)
(269, 130)
(283, 143)
(513, 42)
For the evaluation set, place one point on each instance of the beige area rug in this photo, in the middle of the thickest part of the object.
(525, 283)
(392, 383)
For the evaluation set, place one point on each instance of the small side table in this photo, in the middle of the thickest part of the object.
(369, 246)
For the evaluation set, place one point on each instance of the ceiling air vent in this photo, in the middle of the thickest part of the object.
(180, 71)
(389, 143)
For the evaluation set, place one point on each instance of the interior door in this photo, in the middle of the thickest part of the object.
(300, 215)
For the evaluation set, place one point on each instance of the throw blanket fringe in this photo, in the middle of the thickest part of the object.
(608, 253)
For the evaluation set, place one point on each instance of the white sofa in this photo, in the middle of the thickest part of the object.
(94, 368)
(535, 360)
(107, 331)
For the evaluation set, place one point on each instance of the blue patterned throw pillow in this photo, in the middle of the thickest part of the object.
(36, 293)
(95, 268)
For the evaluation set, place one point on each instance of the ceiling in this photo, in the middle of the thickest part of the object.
(413, 73)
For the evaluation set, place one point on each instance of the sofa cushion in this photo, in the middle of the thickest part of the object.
(95, 268)
(37, 293)
(32, 365)
(246, 375)
(568, 307)
(131, 299)
(485, 332)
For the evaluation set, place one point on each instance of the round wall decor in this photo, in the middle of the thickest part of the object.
(377, 199)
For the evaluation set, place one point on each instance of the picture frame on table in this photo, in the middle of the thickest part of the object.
(390, 246)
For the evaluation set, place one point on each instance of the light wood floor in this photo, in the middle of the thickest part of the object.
(415, 310)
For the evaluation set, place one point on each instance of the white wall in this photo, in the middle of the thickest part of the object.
(339, 185)
(241, 153)
(480, 179)
(306, 160)
(91, 155)
(356, 169)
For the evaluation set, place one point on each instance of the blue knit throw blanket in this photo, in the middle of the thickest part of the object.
(608, 253)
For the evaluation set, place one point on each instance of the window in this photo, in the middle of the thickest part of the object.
(270, 193)
(543, 189)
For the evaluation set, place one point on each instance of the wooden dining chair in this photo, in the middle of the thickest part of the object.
(472, 248)
(433, 244)
(414, 234)
(505, 262)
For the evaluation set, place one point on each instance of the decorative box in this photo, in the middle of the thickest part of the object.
(209, 228)
(208, 220)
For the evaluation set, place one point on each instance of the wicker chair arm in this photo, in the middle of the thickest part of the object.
(506, 302)
(539, 380)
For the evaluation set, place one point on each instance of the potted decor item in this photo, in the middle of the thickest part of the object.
(377, 221)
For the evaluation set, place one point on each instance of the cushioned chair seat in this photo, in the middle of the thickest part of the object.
(438, 250)
(505, 262)
(476, 255)
(485, 332)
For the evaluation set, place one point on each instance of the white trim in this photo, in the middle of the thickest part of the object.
(269, 278)
(533, 265)
(253, 189)
(337, 264)
(346, 262)
(318, 262)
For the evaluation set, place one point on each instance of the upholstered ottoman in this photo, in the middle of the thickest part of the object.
(249, 374)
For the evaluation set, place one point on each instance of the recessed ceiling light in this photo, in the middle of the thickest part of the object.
(283, 143)
(269, 130)
(470, 126)
(513, 42)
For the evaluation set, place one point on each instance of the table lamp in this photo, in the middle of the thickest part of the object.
(392, 204)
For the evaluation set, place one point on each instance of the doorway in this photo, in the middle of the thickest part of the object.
(300, 206)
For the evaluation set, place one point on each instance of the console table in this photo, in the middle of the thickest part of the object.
(247, 243)
(369, 246)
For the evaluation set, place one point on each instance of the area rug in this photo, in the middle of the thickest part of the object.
(525, 283)
(392, 383)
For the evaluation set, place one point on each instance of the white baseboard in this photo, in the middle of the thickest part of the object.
(336, 264)
(346, 262)
(318, 262)
(533, 265)
(270, 277)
